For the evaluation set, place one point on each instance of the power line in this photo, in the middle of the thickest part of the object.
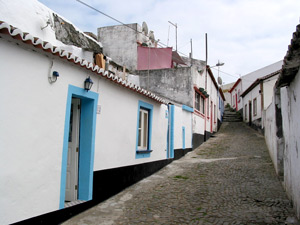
(226, 73)
(243, 77)
(97, 10)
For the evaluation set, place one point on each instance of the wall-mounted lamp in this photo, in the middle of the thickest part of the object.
(53, 77)
(88, 83)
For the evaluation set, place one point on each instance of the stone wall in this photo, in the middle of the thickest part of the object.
(173, 84)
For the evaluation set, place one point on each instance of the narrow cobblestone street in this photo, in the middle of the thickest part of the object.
(229, 179)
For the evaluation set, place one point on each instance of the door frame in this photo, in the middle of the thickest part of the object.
(250, 113)
(211, 117)
(89, 101)
(170, 132)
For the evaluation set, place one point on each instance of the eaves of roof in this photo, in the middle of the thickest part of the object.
(258, 80)
(212, 77)
(222, 94)
(291, 62)
(234, 86)
(19, 35)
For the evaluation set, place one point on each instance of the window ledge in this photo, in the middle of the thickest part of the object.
(143, 151)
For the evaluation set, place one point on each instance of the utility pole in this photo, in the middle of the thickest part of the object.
(175, 25)
(205, 61)
(191, 48)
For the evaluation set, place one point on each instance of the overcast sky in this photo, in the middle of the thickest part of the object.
(244, 34)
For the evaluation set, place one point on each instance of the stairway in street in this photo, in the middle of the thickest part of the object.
(231, 116)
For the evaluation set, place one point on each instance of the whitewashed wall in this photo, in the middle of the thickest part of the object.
(198, 124)
(32, 129)
(213, 96)
(291, 130)
(254, 93)
(117, 126)
(178, 122)
(227, 98)
(235, 92)
(198, 121)
(31, 134)
(270, 133)
(268, 86)
(249, 78)
(182, 118)
(187, 123)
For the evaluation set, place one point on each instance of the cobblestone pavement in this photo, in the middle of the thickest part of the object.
(229, 179)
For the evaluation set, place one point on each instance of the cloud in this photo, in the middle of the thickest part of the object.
(245, 34)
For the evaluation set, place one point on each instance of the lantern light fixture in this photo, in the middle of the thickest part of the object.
(88, 83)
(53, 77)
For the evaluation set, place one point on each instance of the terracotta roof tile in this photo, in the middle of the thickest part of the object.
(27, 38)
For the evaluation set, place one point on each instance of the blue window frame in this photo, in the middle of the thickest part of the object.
(144, 130)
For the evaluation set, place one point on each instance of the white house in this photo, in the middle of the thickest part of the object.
(221, 104)
(235, 95)
(62, 143)
(257, 98)
(181, 81)
(244, 82)
(225, 89)
(282, 126)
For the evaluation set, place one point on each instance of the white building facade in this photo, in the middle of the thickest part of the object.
(58, 140)
(282, 127)
(257, 99)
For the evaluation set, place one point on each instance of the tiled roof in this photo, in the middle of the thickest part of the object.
(17, 34)
(212, 77)
(235, 84)
(291, 62)
(258, 80)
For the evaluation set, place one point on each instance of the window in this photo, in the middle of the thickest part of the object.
(246, 112)
(254, 107)
(199, 102)
(215, 114)
(144, 130)
(239, 96)
(207, 108)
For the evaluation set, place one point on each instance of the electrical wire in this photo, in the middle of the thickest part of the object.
(243, 77)
(159, 42)
(97, 10)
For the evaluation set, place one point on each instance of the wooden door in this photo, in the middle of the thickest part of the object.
(73, 152)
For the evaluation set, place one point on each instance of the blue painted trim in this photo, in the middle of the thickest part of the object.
(89, 102)
(149, 107)
(183, 137)
(186, 108)
(171, 115)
